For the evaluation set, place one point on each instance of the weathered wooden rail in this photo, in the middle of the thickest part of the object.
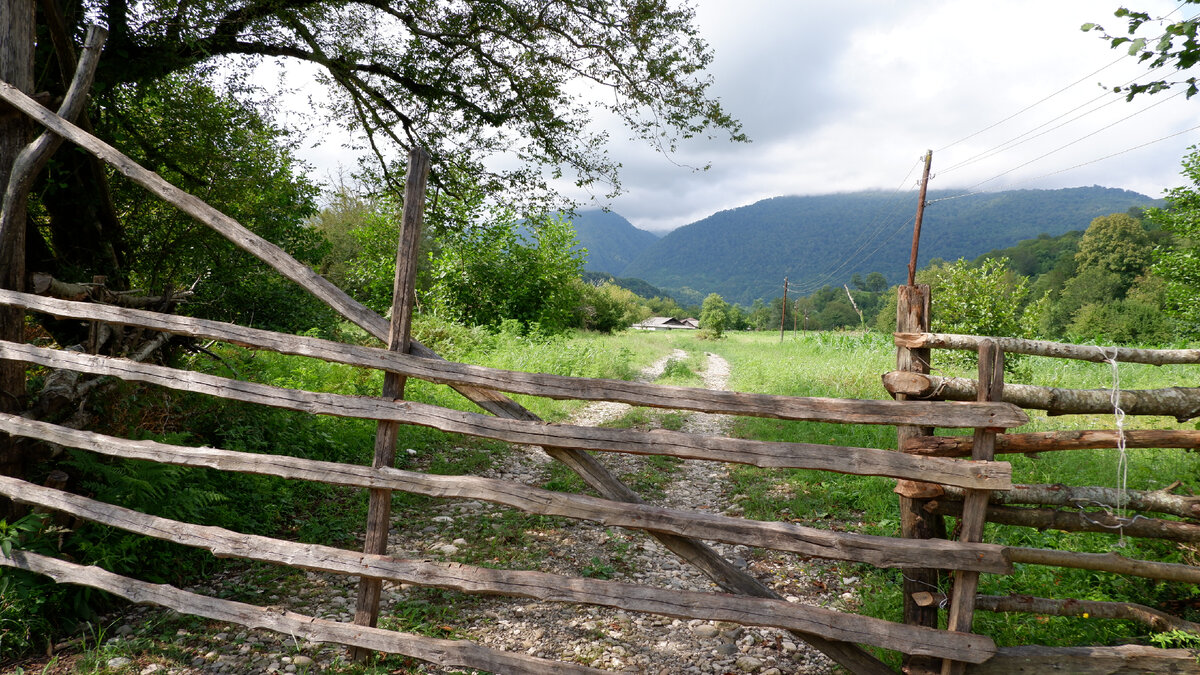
(1067, 508)
(834, 633)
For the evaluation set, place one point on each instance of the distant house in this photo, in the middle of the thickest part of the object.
(693, 322)
(666, 323)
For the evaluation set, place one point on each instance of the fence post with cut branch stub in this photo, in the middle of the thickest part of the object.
(912, 314)
(379, 508)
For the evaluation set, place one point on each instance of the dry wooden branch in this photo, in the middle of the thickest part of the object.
(1079, 521)
(1153, 501)
(35, 155)
(44, 284)
(379, 508)
(1106, 562)
(448, 653)
(975, 502)
(867, 461)
(1053, 441)
(942, 414)
(1182, 403)
(1123, 660)
(1153, 619)
(878, 551)
(542, 586)
(1157, 357)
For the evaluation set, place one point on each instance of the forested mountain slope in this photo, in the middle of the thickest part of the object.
(611, 241)
(744, 253)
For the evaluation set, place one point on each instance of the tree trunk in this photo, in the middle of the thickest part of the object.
(16, 68)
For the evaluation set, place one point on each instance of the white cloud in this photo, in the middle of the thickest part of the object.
(847, 96)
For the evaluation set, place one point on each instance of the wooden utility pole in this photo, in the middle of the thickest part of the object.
(379, 508)
(783, 309)
(912, 260)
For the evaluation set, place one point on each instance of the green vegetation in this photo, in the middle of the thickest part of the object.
(847, 365)
(744, 253)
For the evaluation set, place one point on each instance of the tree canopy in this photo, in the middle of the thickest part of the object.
(1164, 44)
(464, 80)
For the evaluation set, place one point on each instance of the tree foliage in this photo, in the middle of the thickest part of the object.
(1179, 264)
(714, 315)
(501, 269)
(464, 80)
(1164, 44)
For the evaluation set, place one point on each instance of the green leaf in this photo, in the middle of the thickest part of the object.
(1088, 27)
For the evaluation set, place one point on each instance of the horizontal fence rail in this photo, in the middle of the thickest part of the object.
(1182, 403)
(448, 653)
(848, 411)
(862, 461)
(878, 551)
(1056, 441)
(1060, 350)
(538, 585)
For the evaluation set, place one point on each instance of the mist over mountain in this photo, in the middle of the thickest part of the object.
(744, 253)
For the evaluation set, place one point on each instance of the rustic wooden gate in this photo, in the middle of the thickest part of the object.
(748, 601)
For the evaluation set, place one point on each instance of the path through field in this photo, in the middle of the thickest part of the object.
(481, 533)
(626, 642)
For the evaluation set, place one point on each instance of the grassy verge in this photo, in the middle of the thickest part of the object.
(849, 365)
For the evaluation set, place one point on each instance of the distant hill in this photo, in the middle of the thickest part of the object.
(611, 241)
(744, 253)
(636, 286)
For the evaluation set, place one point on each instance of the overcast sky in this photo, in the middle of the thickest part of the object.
(849, 95)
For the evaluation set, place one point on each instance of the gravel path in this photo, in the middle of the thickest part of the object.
(600, 637)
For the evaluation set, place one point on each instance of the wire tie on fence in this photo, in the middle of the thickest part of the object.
(1122, 456)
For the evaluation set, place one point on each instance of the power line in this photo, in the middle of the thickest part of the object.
(876, 227)
(1029, 107)
(1017, 140)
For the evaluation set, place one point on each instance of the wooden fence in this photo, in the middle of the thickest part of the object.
(747, 600)
(1071, 508)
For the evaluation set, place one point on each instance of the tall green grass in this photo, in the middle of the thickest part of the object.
(849, 365)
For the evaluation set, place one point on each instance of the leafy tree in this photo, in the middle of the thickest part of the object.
(500, 270)
(984, 300)
(714, 315)
(1171, 45)
(1118, 244)
(1179, 264)
(875, 283)
(608, 308)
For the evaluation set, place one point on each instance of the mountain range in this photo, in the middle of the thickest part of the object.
(744, 253)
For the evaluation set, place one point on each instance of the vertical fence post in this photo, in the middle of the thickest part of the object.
(912, 316)
(379, 509)
(974, 514)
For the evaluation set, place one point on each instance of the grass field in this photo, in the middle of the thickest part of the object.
(849, 365)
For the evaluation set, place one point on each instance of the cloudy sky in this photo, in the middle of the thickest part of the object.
(849, 95)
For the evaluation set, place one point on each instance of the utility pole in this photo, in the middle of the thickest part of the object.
(783, 310)
(912, 261)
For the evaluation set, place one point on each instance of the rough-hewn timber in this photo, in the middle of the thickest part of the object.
(945, 414)
(1182, 403)
(448, 653)
(865, 461)
(1060, 350)
(539, 585)
(878, 551)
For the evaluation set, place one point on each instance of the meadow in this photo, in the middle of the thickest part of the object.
(849, 365)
